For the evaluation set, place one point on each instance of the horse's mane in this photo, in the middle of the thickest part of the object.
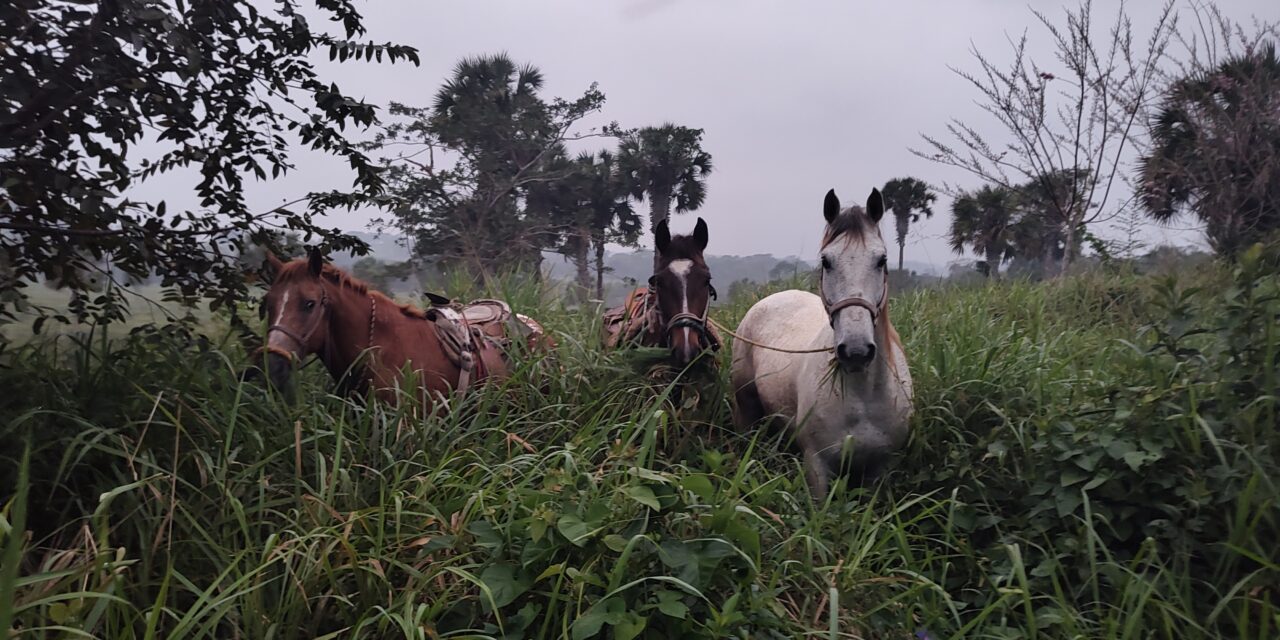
(852, 223)
(298, 270)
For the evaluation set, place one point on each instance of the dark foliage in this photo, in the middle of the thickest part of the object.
(96, 98)
(1216, 151)
(482, 173)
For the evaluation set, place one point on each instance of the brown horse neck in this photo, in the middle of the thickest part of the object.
(374, 327)
(345, 320)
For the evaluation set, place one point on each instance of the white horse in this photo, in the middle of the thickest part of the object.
(850, 415)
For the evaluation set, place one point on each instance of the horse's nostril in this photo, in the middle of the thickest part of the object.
(856, 354)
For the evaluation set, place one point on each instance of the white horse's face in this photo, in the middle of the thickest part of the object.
(854, 264)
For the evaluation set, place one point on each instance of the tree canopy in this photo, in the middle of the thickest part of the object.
(97, 98)
(981, 221)
(1216, 151)
(665, 164)
(908, 198)
(482, 175)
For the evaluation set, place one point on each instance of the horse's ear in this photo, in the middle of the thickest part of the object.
(831, 206)
(315, 261)
(271, 267)
(875, 205)
(662, 237)
(700, 235)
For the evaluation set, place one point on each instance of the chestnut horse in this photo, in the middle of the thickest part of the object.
(672, 311)
(851, 414)
(365, 338)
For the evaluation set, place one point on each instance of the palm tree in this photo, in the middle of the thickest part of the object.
(981, 221)
(1215, 144)
(665, 163)
(905, 196)
(492, 103)
(612, 219)
(489, 112)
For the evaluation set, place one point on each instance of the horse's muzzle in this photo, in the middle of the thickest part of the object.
(686, 352)
(855, 355)
(279, 370)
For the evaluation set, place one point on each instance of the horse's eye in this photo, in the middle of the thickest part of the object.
(826, 263)
(883, 263)
(309, 305)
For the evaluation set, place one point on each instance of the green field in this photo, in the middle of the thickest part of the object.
(146, 306)
(1091, 458)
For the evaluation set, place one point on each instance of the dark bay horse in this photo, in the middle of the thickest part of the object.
(672, 311)
(364, 338)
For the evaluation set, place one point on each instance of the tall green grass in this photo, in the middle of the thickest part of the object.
(1090, 458)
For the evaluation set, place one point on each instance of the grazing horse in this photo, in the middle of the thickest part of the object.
(848, 415)
(365, 338)
(672, 311)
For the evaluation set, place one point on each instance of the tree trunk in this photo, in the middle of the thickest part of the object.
(659, 210)
(600, 268)
(903, 223)
(1069, 249)
(993, 264)
(581, 260)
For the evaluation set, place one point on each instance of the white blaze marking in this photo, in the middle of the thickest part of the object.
(284, 304)
(275, 336)
(680, 268)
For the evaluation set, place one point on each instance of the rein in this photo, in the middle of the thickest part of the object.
(767, 347)
(853, 301)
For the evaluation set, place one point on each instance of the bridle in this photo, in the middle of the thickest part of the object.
(685, 320)
(853, 301)
(316, 321)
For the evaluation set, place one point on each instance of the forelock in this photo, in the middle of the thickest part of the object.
(853, 224)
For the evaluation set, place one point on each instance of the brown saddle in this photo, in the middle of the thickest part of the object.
(636, 319)
(484, 327)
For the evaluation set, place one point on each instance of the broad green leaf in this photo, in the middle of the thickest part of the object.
(537, 529)
(588, 625)
(505, 582)
(700, 485)
(629, 626)
(669, 603)
(643, 495)
(574, 529)
(615, 542)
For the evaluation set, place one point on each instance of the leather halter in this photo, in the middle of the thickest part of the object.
(854, 301)
(315, 323)
(687, 320)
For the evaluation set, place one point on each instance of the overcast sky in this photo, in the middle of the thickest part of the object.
(795, 97)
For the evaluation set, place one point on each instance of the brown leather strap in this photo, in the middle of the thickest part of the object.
(854, 301)
(874, 310)
(697, 323)
(464, 380)
(315, 323)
